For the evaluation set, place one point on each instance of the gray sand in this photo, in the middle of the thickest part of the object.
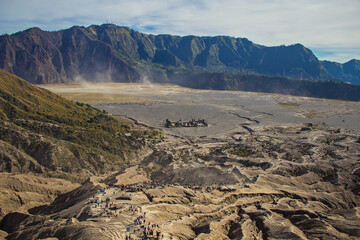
(227, 111)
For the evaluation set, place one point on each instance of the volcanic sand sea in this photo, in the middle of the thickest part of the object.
(225, 111)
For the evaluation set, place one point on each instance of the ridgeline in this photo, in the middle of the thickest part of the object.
(119, 54)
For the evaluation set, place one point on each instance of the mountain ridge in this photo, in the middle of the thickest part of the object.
(112, 53)
(346, 72)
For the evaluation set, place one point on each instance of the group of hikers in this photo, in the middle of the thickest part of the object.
(150, 231)
(141, 230)
(151, 185)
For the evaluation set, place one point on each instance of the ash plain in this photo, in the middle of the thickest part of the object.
(225, 111)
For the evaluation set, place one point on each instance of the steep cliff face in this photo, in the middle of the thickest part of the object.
(221, 53)
(112, 53)
(65, 56)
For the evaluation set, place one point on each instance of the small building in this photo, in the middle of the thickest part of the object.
(192, 123)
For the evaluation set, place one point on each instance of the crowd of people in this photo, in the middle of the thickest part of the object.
(140, 229)
(144, 232)
(151, 185)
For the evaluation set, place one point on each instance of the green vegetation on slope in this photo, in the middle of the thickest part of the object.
(58, 135)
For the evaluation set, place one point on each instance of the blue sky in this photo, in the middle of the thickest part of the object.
(330, 28)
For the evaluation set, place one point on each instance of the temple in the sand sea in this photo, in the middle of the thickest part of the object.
(192, 123)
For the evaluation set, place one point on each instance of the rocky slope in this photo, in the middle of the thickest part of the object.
(52, 57)
(280, 182)
(112, 53)
(43, 132)
(21, 192)
(49, 136)
(270, 175)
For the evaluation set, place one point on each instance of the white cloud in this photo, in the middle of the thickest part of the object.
(321, 24)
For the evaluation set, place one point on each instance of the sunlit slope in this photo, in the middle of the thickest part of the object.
(44, 132)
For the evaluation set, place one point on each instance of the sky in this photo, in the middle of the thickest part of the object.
(330, 28)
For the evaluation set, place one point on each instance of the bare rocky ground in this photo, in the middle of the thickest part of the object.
(267, 167)
(25, 191)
